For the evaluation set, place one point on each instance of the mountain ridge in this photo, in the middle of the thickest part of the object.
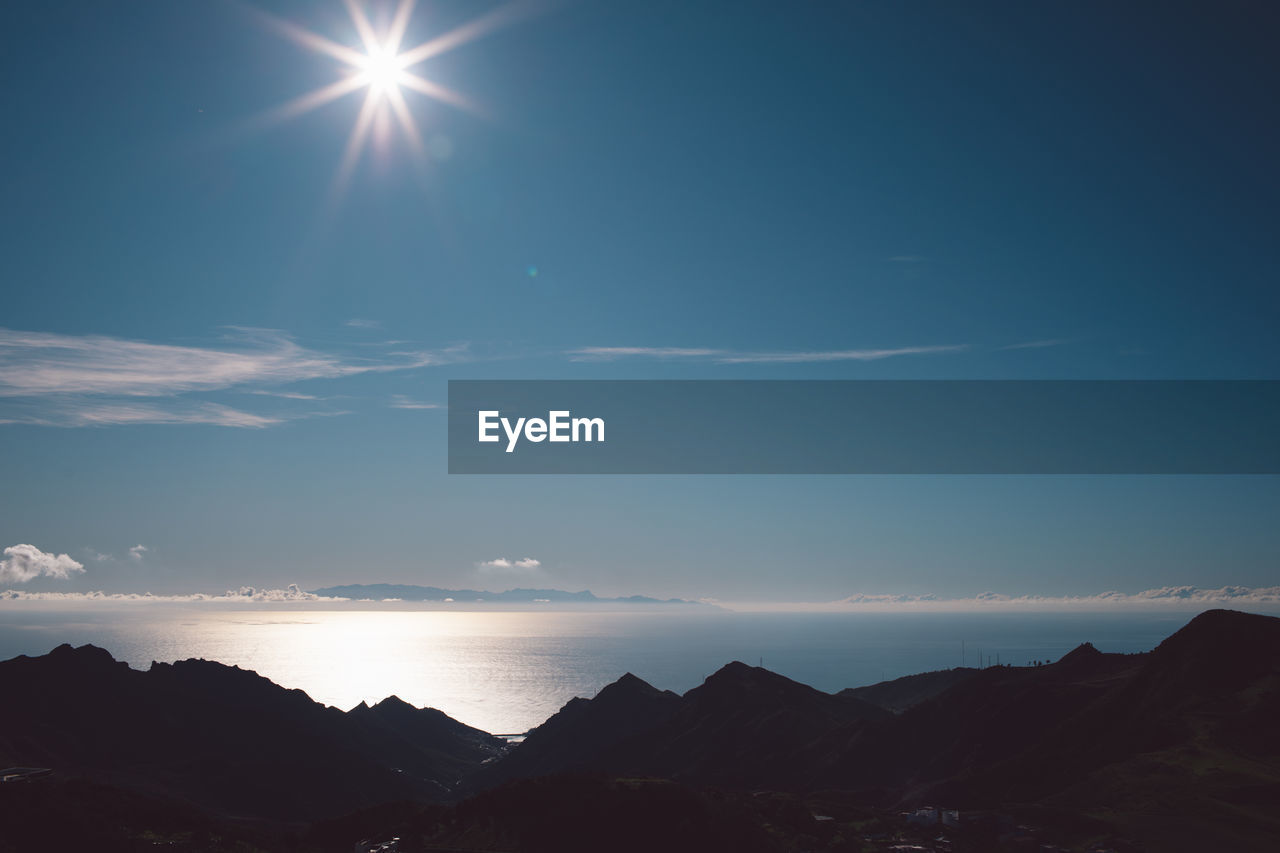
(414, 592)
(1178, 741)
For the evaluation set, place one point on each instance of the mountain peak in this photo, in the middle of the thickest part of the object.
(86, 655)
(393, 703)
(1082, 652)
(1220, 629)
(1221, 650)
(737, 681)
(736, 669)
(627, 688)
(737, 672)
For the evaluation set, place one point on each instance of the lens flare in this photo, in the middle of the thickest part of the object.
(383, 71)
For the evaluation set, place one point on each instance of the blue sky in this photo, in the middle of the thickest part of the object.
(211, 351)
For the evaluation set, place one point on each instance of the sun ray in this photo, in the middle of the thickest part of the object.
(380, 68)
(355, 143)
(407, 124)
(314, 99)
(363, 28)
(399, 24)
(305, 38)
(503, 16)
(440, 93)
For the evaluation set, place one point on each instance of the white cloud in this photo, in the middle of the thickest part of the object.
(93, 380)
(137, 551)
(243, 595)
(400, 401)
(43, 363)
(27, 562)
(502, 564)
(361, 323)
(1172, 597)
(720, 356)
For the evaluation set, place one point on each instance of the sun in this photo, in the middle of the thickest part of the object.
(383, 71)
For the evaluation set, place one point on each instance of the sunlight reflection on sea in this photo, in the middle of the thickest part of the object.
(506, 671)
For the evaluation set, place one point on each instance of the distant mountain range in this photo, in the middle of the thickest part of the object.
(1178, 748)
(411, 592)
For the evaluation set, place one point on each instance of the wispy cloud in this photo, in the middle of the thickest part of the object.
(400, 401)
(86, 413)
(836, 355)
(44, 363)
(137, 551)
(722, 356)
(611, 353)
(24, 563)
(1040, 344)
(92, 380)
(286, 395)
(361, 323)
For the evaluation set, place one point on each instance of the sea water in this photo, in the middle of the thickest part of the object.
(507, 670)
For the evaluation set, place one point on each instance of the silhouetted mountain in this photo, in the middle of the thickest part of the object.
(430, 729)
(902, 693)
(1178, 748)
(1194, 728)
(1176, 744)
(576, 736)
(410, 592)
(222, 737)
(746, 726)
(743, 724)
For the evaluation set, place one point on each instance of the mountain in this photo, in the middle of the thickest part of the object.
(1180, 746)
(584, 729)
(410, 592)
(1192, 737)
(1175, 749)
(224, 738)
(430, 730)
(743, 725)
(902, 693)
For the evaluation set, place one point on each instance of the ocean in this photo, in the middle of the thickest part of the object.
(506, 671)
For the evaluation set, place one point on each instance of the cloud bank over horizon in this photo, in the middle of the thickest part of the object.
(1166, 596)
(1172, 598)
(243, 595)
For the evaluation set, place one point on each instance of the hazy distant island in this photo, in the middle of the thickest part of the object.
(1176, 749)
(412, 592)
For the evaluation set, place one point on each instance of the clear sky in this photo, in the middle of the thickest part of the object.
(222, 344)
